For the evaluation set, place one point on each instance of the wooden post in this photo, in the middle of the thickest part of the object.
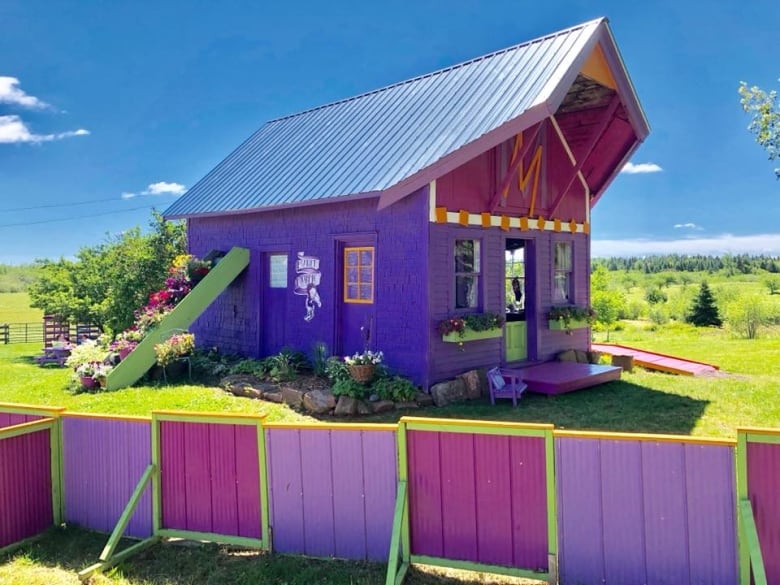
(624, 361)
(4, 333)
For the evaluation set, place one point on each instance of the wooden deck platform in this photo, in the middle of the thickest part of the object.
(562, 377)
(658, 361)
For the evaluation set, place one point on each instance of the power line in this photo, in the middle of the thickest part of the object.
(26, 223)
(52, 205)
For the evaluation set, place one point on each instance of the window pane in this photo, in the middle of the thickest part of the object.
(365, 292)
(352, 291)
(561, 289)
(365, 275)
(563, 256)
(352, 258)
(464, 256)
(366, 257)
(466, 292)
(352, 275)
(278, 270)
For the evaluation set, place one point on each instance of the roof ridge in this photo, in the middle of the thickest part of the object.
(440, 71)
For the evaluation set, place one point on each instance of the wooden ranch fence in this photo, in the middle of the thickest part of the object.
(580, 508)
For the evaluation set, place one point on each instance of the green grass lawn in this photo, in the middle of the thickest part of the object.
(15, 308)
(745, 395)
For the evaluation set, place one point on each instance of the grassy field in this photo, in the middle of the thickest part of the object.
(15, 308)
(744, 395)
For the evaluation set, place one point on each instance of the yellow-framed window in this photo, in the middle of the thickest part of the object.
(359, 274)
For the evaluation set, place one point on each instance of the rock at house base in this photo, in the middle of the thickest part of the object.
(449, 392)
(346, 406)
(319, 401)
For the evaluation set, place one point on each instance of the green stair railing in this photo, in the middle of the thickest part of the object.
(135, 365)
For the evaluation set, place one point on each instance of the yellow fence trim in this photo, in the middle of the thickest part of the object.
(331, 426)
(607, 436)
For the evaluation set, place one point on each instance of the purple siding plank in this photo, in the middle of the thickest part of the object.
(349, 494)
(579, 511)
(286, 487)
(173, 493)
(97, 487)
(197, 477)
(25, 486)
(317, 475)
(459, 497)
(224, 492)
(380, 467)
(494, 523)
(665, 507)
(425, 502)
(623, 518)
(528, 502)
(763, 487)
(248, 480)
(712, 525)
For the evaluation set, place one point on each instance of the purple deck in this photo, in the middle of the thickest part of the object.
(658, 361)
(561, 377)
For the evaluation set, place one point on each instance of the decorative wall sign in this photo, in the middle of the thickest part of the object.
(307, 280)
(278, 271)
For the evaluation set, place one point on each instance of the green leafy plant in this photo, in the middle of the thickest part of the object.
(88, 352)
(336, 369)
(473, 321)
(349, 387)
(568, 313)
(286, 365)
(320, 356)
(396, 388)
(173, 348)
(250, 366)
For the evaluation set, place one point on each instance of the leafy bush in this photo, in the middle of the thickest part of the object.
(173, 348)
(655, 296)
(250, 366)
(349, 387)
(86, 353)
(396, 388)
(336, 369)
(210, 364)
(286, 365)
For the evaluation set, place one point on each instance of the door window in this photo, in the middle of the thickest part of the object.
(359, 275)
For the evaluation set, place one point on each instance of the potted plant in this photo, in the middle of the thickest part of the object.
(568, 317)
(175, 347)
(101, 374)
(471, 327)
(197, 269)
(362, 366)
(125, 343)
(86, 373)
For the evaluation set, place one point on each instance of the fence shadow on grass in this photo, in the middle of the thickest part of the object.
(616, 406)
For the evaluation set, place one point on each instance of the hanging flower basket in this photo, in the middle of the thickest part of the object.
(362, 373)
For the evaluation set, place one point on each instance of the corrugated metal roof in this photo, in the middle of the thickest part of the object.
(373, 141)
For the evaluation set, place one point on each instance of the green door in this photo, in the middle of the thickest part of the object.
(515, 341)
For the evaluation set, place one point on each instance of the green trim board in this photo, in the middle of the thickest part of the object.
(28, 428)
(127, 513)
(503, 431)
(552, 507)
(55, 449)
(212, 537)
(207, 417)
(265, 521)
(759, 438)
(471, 335)
(750, 534)
(403, 475)
(395, 539)
(47, 411)
(6, 550)
(559, 325)
(85, 574)
(482, 568)
(143, 357)
(156, 487)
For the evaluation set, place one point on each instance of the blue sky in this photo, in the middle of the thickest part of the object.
(110, 108)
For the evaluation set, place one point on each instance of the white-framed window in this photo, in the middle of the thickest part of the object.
(467, 273)
(562, 272)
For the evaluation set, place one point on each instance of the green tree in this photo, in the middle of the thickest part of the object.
(765, 118)
(108, 282)
(704, 310)
(607, 301)
(772, 283)
(747, 314)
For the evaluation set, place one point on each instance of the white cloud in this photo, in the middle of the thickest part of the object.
(632, 169)
(13, 129)
(164, 188)
(11, 93)
(689, 226)
(716, 245)
(159, 188)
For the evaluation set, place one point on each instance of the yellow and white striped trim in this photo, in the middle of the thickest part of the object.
(506, 222)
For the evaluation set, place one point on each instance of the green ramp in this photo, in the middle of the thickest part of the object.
(135, 365)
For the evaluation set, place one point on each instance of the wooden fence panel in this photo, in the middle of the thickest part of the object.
(763, 482)
(641, 511)
(103, 459)
(332, 491)
(25, 486)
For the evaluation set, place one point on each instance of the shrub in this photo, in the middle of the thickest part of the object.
(349, 387)
(173, 348)
(396, 388)
(250, 366)
(336, 369)
(286, 365)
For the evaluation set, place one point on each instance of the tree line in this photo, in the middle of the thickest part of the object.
(728, 264)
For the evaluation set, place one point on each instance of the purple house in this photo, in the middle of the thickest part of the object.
(466, 190)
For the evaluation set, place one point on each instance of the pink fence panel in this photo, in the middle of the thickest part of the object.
(10, 419)
(763, 466)
(478, 498)
(210, 478)
(25, 486)
(645, 512)
(103, 460)
(332, 492)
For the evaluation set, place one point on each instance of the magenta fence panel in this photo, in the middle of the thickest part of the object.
(763, 475)
(25, 486)
(210, 478)
(478, 498)
(103, 460)
(332, 492)
(10, 419)
(645, 512)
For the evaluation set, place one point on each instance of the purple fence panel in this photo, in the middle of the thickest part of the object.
(645, 512)
(10, 419)
(763, 467)
(103, 460)
(332, 492)
(25, 486)
(478, 498)
(209, 478)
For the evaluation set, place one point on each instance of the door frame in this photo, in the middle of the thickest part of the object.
(341, 241)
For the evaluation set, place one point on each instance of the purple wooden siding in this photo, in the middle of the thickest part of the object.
(232, 322)
(763, 489)
(642, 512)
(210, 478)
(332, 492)
(447, 360)
(25, 486)
(478, 498)
(10, 419)
(103, 460)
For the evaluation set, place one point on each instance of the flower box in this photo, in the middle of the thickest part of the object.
(471, 335)
(560, 324)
